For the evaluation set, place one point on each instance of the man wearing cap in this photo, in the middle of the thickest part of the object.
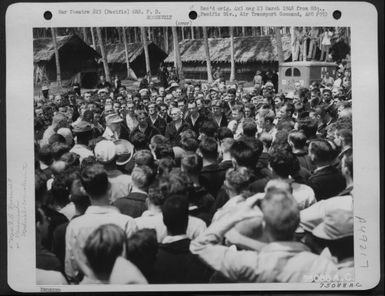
(113, 127)
(282, 260)
(219, 119)
(44, 91)
(105, 154)
(174, 128)
(124, 152)
(83, 134)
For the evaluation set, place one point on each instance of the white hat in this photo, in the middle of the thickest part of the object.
(105, 151)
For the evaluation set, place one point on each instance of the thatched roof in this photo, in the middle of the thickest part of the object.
(43, 49)
(246, 49)
(116, 52)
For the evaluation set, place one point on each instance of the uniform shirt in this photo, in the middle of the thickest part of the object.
(154, 220)
(81, 227)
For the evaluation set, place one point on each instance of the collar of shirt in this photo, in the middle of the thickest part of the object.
(285, 246)
(321, 168)
(149, 213)
(101, 210)
(170, 239)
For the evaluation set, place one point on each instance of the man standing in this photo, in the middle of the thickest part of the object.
(176, 127)
(95, 183)
(194, 119)
(235, 125)
(217, 114)
(154, 119)
(113, 127)
(326, 180)
(131, 120)
(144, 127)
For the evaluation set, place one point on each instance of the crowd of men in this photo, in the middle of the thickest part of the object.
(194, 183)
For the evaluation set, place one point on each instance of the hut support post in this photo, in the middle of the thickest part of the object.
(146, 54)
(104, 56)
(130, 72)
(93, 37)
(57, 60)
(207, 54)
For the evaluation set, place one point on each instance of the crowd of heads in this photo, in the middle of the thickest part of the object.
(185, 150)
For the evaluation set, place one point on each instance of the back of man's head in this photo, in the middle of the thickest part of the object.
(249, 128)
(142, 177)
(144, 157)
(208, 128)
(224, 132)
(94, 180)
(320, 151)
(298, 139)
(237, 179)
(107, 242)
(281, 214)
(175, 214)
(244, 154)
(209, 148)
(191, 164)
(309, 127)
(283, 162)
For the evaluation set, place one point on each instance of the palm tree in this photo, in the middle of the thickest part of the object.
(146, 54)
(232, 72)
(177, 58)
(207, 54)
(104, 56)
(130, 72)
(57, 60)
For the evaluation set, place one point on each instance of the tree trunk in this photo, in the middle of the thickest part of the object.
(253, 31)
(177, 58)
(130, 72)
(165, 39)
(93, 38)
(192, 33)
(207, 54)
(219, 32)
(85, 38)
(182, 32)
(146, 55)
(278, 39)
(103, 53)
(57, 59)
(304, 51)
(243, 31)
(232, 72)
(293, 41)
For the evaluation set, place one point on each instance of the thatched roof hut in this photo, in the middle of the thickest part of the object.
(77, 59)
(250, 53)
(116, 58)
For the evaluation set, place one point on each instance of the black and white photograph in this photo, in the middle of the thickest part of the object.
(193, 155)
(192, 147)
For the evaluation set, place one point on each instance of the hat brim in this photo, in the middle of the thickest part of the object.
(123, 159)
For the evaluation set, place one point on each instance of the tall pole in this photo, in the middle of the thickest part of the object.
(57, 60)
(192, 33)
(146, 54)
(232, 72)
(130, 72)
(278, 39)
(104, 56)
(207, 54)
(177, 58)
(165, 38)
